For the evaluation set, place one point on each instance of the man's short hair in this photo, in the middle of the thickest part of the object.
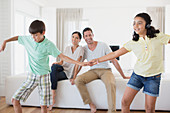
(87, 29)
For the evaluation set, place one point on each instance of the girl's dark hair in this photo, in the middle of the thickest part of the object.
(151, 31)
(37, 26)
(79, 34)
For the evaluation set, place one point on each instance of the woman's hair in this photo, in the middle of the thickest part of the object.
(151, 31)
(79, 34)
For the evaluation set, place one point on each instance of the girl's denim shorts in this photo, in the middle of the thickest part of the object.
(150, 84)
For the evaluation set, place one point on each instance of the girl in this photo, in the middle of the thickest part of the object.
(147, 44)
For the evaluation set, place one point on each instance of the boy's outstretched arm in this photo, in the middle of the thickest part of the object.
(8, 40)
(69, 60)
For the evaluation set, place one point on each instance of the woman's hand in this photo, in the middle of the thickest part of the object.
(72, 81)
(55, 63)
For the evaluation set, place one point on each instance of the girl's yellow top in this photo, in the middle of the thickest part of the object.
(149, 53)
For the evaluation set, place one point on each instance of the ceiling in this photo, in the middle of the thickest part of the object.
(100, 3)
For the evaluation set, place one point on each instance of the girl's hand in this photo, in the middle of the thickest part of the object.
(126, 77)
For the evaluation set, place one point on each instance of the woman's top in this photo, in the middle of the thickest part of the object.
(68, 67)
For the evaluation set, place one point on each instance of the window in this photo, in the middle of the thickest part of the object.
(20, 60)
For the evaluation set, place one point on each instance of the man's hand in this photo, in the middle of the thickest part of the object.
(3, 46)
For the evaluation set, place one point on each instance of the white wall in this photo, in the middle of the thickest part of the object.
(27, 7)
(112, 25)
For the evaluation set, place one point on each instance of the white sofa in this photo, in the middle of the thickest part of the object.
(69, 97)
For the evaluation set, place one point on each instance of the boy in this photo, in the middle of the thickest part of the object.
(38, 48)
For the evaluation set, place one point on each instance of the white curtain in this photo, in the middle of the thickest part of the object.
(158, 17)
(158, 20)
(68, 21)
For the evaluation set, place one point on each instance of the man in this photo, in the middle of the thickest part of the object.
(92, 50)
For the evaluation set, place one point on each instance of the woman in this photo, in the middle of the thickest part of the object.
(63, 70)
(147, 45)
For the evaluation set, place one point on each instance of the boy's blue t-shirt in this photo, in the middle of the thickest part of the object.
(38, 54)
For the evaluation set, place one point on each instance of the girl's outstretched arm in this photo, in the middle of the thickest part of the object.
(109, 56)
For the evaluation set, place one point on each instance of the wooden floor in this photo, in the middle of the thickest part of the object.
(4, 108)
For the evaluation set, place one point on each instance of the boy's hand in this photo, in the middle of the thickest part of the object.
(3, 46)
(83, 64)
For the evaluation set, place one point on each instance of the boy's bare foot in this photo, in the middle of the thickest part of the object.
(93, 108)
(50, 107)
(53, 96)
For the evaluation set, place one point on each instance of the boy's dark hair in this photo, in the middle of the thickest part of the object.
(37, 26)
(79, 34)
(87, 29)
(151, 31)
